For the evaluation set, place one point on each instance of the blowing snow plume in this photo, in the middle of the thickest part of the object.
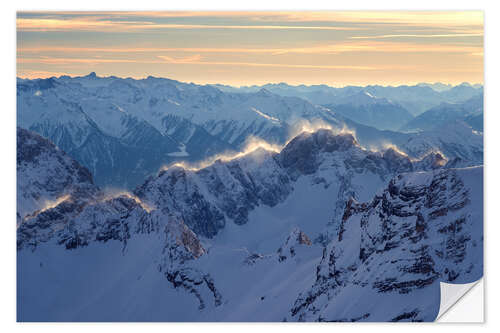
(310, 126)
(252, 144)
(110, 194)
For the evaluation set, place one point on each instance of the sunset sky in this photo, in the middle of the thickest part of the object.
(245, 48)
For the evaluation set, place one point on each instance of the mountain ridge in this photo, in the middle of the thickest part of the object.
(232, 240)
(125, 129)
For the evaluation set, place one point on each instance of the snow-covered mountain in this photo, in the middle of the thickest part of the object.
(392, 251)
(230, 188)
(469, 111)
(438, 86)
(46, 175)
(454, 140)
(252, 237)
(124, 130)
(416, 99)
(369, 110)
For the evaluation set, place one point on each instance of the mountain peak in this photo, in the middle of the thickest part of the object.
(397, 160)
(58, 176)
(328, 140)
(361, 98)
(264, 92)
(302, 151)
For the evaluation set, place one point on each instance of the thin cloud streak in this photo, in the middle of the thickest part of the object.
(185, 61)
(392, 47)
(422, 18)
(28, 24)
(335, 48)
(408, 18)
(252, 64)
(61, 61)
(418, 36)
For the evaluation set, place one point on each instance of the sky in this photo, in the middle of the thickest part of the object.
(246, 48)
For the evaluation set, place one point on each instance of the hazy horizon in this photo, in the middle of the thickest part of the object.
(254, 85)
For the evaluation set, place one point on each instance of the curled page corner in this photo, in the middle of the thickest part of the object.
(455, 302)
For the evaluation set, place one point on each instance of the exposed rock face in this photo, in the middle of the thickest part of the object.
(180, 191)
(296, 238)
(397, 161)
(420, 230)
(182, 235)
(192, 281)
(303, 239)
(75, 223)
(301, 153)
(432, 161)
(206, 198)
(181, 247)
(46, 174)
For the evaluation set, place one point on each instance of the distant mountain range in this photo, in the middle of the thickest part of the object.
(416, 99)
(368, 110)
(123, 130)
(470, 112)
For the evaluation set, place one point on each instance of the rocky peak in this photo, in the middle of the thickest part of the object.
(91, 75)
(431, 161)
(397, 161)
(301, 152)
(32, 148)
(264, 93)
(57, 175)
(183, 236)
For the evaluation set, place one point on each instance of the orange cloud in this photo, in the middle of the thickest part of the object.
(332, 48)
(85, 23)
(258, 64)
(195, 60)
(187, 60)
(437, 41)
